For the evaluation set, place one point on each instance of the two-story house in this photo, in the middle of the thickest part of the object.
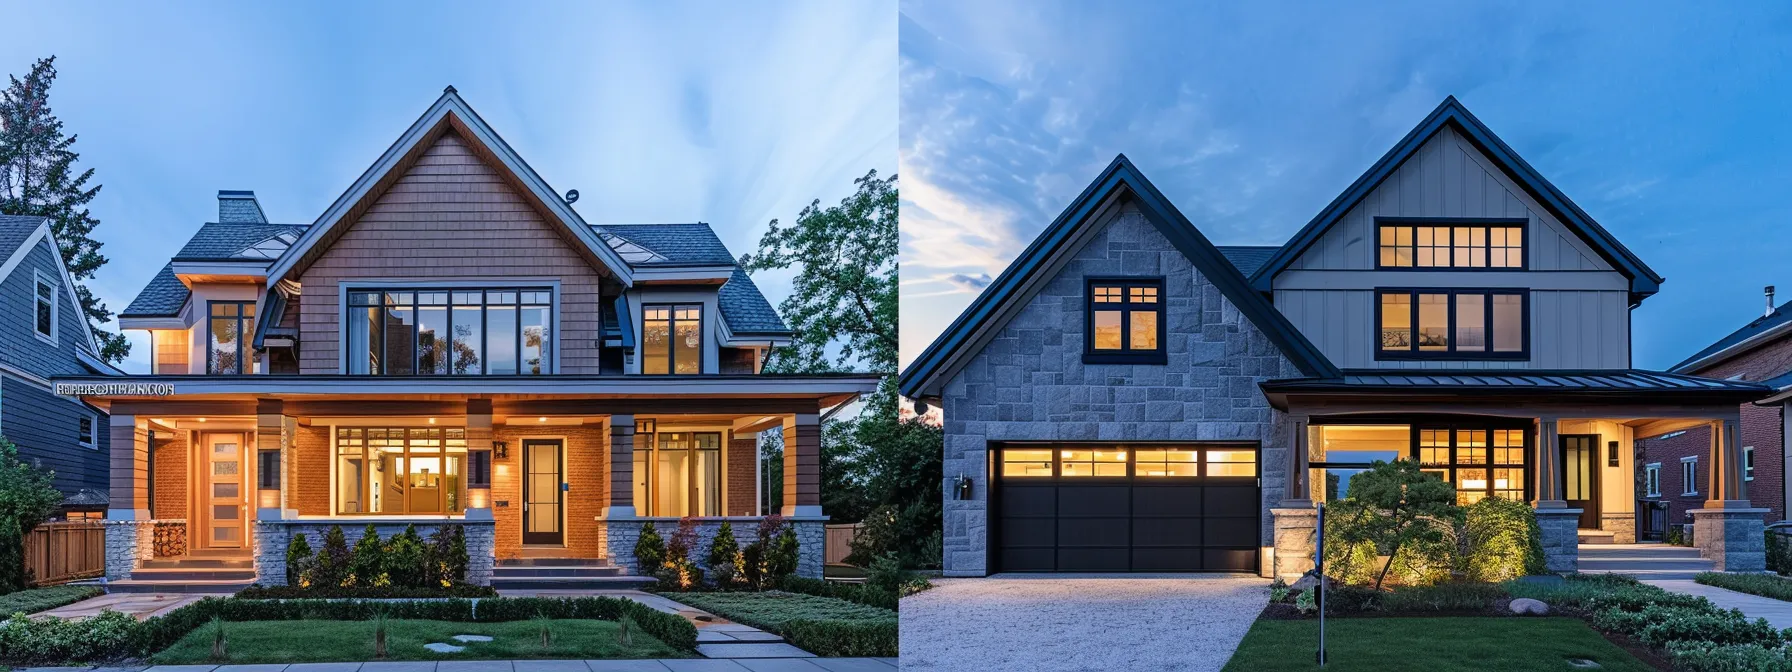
(450, 342)
(1128, 397)
(44, 333)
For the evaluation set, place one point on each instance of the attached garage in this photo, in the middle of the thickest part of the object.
(1180, 507)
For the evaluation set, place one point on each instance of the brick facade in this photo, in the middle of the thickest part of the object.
(171, 460)
(587, 459)
(742, 475)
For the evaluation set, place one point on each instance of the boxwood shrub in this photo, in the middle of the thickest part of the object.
(364, 592)
(835, 638)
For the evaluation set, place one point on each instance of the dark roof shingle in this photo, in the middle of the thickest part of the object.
(1248, 258)
(746, 310)
(162, 297)
(226, 240)
(680, 244)
(1779, 316)
(14, 229)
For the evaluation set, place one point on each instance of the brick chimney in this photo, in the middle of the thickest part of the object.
(239, 207)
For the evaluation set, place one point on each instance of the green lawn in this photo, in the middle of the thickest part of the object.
(329, 641)
(1460, 643)
(769, 610)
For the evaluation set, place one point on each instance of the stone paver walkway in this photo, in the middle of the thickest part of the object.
(1777, 612)
(140, 605)
(681, 665)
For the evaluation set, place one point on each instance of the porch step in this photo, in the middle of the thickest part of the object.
(1594, 536)
(544, 571)
(1644, 561)
(190, 562)
(1606, 551)
(193, 574)
(134, 585)
(220, 553)
(554, 562)
(537, 583)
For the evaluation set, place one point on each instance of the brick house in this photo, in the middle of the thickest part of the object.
(1128, 397)
(1760, 351)
(449, 343)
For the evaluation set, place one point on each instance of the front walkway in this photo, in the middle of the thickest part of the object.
(1042, 623)
(684, 665)
(140, 605)
(1777, 612)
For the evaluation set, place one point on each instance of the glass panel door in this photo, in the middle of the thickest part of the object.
(224, 494)
(1580, 476)
(543, 474)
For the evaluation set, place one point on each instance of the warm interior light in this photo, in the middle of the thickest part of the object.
(1065, 454)
(432, 421)
(202, 419)
(478, 498)
(1474, 484)
(542, 419)
(1120, 457)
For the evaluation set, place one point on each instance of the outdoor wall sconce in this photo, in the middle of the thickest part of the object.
(501, 449)
(1611, 453)
(961, 485)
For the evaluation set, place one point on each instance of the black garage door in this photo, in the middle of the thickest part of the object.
(1126, 508)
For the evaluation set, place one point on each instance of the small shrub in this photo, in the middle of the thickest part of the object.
(35, 600)
(861, 593)
(1278, 590)
(1306, 602)
(220, 641)
(404, 561)
(1501, 541)
(298, 560)
(56, 641)
(679, 572)
(1706, 657)
(446, 556)
(29, 497)
(1779, 551)
(844, 638)
(624, 635)
(1675, 536)
(650, 550)
(367, 565)
(782, 560)
(1441, 597)
(330, 567)
(364, 592)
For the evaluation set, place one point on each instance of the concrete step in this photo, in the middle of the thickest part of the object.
(1594, 537)
(223, 553)
(622, 582)
(554, 562)
(544, 571)
(198, 563)
(195, 586)
(1651, 574)
(192, 574)
(1637, 551)
(1640, 564)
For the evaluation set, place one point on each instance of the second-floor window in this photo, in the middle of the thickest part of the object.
(1450, 244)
(227, 337)
(1125, 321)
(450, 331)
(1451, 324)
(672, 338)
(46, 309)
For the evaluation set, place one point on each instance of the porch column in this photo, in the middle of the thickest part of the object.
(1727, 487)
(1294, 520)
(272, 500)
(1728, 531)
(802, 465)
(622, 467)
(1549, 468)
(479, 459)
(130, 533)
(1296, 493)
(1558, 525)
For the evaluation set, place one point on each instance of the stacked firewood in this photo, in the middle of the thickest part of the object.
(171, 540)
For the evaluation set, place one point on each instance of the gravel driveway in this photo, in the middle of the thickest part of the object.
(1079, 622)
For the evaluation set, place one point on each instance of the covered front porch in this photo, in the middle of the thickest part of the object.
(1562, 441)
(530, 476)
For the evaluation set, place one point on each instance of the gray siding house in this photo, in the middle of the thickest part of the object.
(44, 333)
(1128, 397)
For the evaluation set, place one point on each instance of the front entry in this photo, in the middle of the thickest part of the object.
(223, 502)
(544, 478)
(1580, 476)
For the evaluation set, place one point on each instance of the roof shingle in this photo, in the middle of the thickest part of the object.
(1779, 316)
(14, 229)
(680, 244)
(746, 310)
(216, 240)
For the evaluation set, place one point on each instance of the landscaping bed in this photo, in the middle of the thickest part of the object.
(1493, 643)
(33, 600)
(824, 626)
(332, 641)
(365, 592)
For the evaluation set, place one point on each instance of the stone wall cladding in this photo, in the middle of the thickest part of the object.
(1560, 539)
(1732, 539)
(1029, 382)
(1621, 525)
(1295, 533)
(128, 542)
(810, 535)
(272, 537)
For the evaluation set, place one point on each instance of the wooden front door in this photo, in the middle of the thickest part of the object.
(223, 497)
(544, 473)
(1580, 476)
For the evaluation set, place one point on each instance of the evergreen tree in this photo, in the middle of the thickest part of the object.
(38, 177)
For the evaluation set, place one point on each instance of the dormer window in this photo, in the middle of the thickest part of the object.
(1124, 319)
(1404, 243)
(672, 339)
(227, 337)
(45, 322)
(450, 331)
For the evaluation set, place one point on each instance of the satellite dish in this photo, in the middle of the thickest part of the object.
(572, 196)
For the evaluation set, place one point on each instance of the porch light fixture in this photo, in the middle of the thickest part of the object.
(542, 419)
(202, 419)
(501, 449)
(432, 421)
(1611, 453)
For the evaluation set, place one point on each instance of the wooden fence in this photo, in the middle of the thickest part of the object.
(64, 551)
(839, 542)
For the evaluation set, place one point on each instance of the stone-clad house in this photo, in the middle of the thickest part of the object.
(1128, 397)
(449, 342)
(44, 333)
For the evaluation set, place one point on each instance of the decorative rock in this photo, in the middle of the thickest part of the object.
(440, 647)
(1525, 605)
(471, 638)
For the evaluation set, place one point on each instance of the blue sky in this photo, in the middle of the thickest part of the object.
(1664, 121)
(656, 112)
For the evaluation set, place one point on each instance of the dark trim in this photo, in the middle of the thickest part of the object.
(1524, 309)
(558, 536)
(1120, 180)
(1483, 223)
(244, 348)
(1417, 422)
(1644, 281)
(547, 364)
(1590, 508)
(1125, 355)
(671, 334)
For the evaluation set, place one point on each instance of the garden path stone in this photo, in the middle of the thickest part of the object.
(752, 650)
(700, 665)
(183, 668)
(780, 665)
(626, 666)
(552, 666)
(444, 647)
(474, 666)
(321, 667)
(1777, 612)
(266, 667)
(472, 638)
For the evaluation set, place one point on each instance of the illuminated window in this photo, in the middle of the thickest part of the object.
(677, 473)
(1231, 463)
(1443, 244)
(1078, 463)
(672, 339)
(1451, 324)
(1125, 318)
(1026, 463)
(228, 335)
(1166, 463)
(1479, 461)
(400, 470)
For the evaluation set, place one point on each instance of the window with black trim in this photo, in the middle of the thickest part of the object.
(1748, 463)
(672, 338)
(1450, 243)
(1452, 324)
(1480, 459)
(1125, 319)
(228, 350)
(458, 331)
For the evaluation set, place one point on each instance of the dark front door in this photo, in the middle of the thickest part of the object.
(1580, 476)
(544, 470)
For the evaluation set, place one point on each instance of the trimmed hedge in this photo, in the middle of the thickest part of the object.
(1693, 632)
(364, 592)
(112, 636)
(1765, 585)
(834, 638)
(38, 599)
(862, 593)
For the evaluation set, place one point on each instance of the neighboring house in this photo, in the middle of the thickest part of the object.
(451, 342)
(44, 333)
(1760, 351)
(1124, 397)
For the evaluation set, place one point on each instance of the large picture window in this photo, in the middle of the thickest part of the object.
(677, 473)
(1451, 244)
(1451, 324)
(441, 332)
(1125, 321)
(227, 337)
(401, 470)
(1479, 459)
(672, 339)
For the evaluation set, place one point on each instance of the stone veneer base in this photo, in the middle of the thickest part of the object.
(128, 543)
(1296, 530)
(1732, 539)
(1561, 539)
(1621, 525)
(272, 536)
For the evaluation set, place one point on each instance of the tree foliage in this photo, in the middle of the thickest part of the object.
(38, 177)
(26, 499)
(1397, 511)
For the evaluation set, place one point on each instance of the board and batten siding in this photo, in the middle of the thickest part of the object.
(1579, 305)
(451, 216)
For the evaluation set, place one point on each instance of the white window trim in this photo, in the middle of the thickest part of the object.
(92, 439)
(55, 309)
(1689, 486)
(1652, 479)
(1748, 463)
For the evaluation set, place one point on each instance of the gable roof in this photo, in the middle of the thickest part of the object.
(1121, 179)
(1756, 331)
(19, 235)
(449, 112)
(1643, 280)
(1248, 258)
(14, 229)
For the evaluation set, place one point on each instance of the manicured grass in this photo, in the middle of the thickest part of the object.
(1765, 585)
(769, 610)
(1463, 643)
(33, 600)
(329, 641)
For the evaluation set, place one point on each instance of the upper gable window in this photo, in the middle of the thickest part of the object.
(450, 331)
(229, 328)
(1451, 324)
(46, 309)
(1447, 243)
(1125, 321)
(672, 338)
